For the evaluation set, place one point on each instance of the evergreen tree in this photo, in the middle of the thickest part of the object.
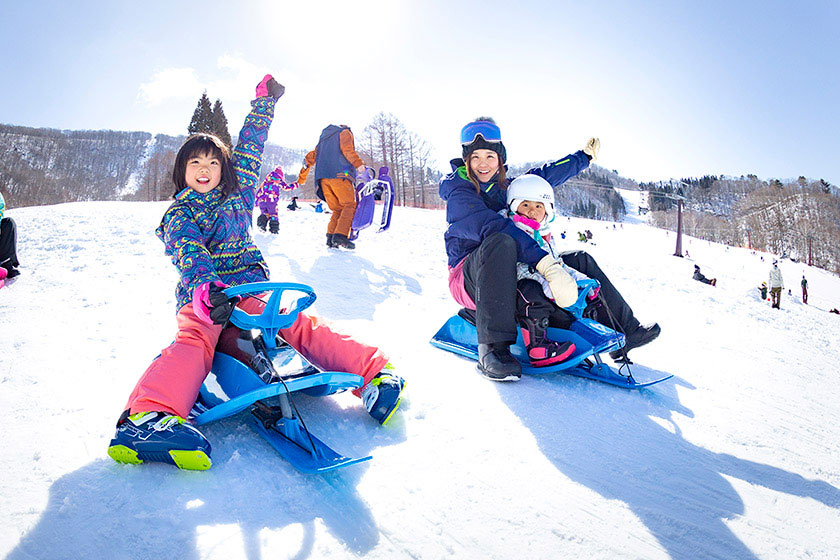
(202, 119)
(220, 124)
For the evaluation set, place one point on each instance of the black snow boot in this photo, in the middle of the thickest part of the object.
(274, 225)
(641, 336)
(330, 240)
(496, 362)
(340, 240)
(262, 220)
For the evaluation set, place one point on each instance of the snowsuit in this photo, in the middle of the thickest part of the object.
(539, 303)
(208, 238)
(776, 285)
(269, 193)
(335, 160)
(8, 239)
(700, 277)
(483, 248)
(804, 290)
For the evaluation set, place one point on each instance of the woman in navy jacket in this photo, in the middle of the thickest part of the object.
(483, 248)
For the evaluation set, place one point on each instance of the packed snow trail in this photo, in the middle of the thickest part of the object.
(736, 457)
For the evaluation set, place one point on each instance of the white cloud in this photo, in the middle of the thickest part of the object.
(170, 83)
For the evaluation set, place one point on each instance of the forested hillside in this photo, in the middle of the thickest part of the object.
(799, 219)
(41, 166)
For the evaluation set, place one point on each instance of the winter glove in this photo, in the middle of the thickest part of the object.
(578, 276)
(563, 286)
(269, 87)
(211, 305)
(362, 175)
(591, 148)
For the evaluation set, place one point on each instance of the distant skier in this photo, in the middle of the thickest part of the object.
(206, 231)
(8, 246)
(804, 284)
(776, 284)
(763, 291)
(582, 237)
(267, 196)
(318, 207)
(701, 278)
(293, 205)
(483, 248)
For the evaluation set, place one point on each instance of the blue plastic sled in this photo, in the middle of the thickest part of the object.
(276, 371)
(589, 337)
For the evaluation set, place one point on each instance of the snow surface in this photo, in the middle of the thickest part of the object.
(735, 458)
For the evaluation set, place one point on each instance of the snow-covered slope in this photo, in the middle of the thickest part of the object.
(736, 457)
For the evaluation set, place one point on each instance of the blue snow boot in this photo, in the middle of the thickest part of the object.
(383, 394)
(160, 437)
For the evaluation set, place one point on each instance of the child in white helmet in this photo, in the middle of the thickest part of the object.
(530, 204)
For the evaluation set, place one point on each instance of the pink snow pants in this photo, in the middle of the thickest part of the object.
(172, 381)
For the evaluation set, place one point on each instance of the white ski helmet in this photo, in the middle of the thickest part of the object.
(531, 187)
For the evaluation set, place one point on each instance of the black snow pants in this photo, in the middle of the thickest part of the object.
(490, 280)
(625, 321)
(8, 244)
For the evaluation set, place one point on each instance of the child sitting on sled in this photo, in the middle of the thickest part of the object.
(267, 196)
(206, 232)
(530, 204)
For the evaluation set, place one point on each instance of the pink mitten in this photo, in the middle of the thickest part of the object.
(202, 305)
(262, 88)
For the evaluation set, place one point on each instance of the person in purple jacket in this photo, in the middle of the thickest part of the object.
(483, 248)
(267, 196)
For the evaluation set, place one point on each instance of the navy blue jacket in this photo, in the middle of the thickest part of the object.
(473, 216)
(329, 161)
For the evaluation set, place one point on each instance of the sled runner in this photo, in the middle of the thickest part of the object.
(459, 335)
(274, 372)
(367, 192)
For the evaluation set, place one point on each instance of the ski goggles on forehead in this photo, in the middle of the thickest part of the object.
(489, 131)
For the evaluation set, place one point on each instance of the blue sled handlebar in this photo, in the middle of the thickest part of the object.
(273, 317)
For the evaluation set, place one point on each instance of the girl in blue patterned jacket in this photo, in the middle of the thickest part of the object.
(206, 232)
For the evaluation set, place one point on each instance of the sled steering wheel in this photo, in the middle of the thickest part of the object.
(273, 317)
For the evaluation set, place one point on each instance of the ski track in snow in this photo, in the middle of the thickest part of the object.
(736, 457)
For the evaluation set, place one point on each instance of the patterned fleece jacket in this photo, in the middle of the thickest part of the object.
(208, 236)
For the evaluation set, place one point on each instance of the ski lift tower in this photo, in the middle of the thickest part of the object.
(678, 252)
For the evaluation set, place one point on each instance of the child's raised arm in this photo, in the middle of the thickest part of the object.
(247, 156)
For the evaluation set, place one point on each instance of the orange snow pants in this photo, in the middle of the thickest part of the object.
(340, 195)
(171, 383)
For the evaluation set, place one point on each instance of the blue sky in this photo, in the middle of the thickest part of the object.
(672, 88)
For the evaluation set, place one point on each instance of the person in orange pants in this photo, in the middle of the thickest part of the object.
(336, 166)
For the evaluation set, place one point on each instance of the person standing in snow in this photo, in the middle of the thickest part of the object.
(337, 165)
(776, 285)
(8, 245)
(483, 248)
(206, 232)
(804, 284)
(267, 196)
